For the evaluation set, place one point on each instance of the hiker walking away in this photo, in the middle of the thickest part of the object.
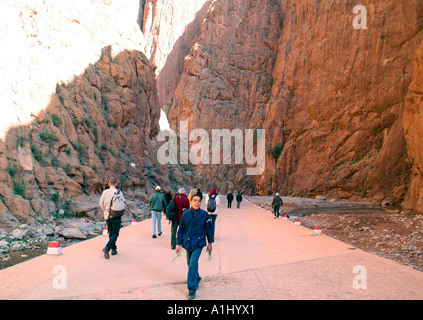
(230, 198)
(238, 199)
(276, 203)
(212, 203)
(112, 203)
(200, 193)
(157, 205)
(181, 204)
(168, 197)
(195, 231)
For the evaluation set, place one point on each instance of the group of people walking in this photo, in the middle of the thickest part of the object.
(188, 220)
(192, 228)
(230, 198)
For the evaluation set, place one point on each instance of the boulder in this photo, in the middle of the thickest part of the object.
(73, 233)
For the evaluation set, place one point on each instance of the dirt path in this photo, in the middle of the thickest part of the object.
(254, 257)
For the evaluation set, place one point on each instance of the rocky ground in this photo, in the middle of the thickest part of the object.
(385, 231)
(23, 242)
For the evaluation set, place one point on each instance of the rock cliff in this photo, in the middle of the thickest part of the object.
(413, 126)
(227, 78)
(81, 105)
(331, 97)
(169, 27)
(338, 99)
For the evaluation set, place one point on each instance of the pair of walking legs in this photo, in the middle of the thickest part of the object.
(193, 276)
(113, 226)
(157, 220)
(276, 211)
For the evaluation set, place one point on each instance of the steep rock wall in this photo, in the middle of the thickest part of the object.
(80, 105)
(338, 99)
(413, 125)
(227, 78)
(169, 27)
(330, 97)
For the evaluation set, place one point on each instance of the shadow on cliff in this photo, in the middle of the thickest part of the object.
(169, 76)
(100, 124)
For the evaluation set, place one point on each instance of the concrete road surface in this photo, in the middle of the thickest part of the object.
(254, 257)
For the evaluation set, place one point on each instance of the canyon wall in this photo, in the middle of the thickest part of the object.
(169, 27)
(80, 104)
(331, 97)
(227, 78)
(413, 126)
(338, 100)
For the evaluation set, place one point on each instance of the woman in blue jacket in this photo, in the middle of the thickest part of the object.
(195, 230)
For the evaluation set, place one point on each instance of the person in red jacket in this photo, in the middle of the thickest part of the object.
(181, 204)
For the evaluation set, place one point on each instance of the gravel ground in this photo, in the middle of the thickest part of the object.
(385, 231)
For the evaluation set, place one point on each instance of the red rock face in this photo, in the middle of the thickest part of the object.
(169, 27)
(413, 128)
(227, 77)
(331, 95)
(338, 96)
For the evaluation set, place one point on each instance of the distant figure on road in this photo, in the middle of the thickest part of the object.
(230, 198)
(212, 204)
(276, 203)
(200, 193)
(238, 199)
(194, 229)
(112, 203)
(157, 205)
(181, 204)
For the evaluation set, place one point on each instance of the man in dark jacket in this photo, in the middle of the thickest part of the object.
(195, 230)
(238, 199)
(230, 198)
(276, 203)
(157, 205)
(181, 204)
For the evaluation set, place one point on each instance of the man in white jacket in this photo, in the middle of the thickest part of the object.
(112, 199)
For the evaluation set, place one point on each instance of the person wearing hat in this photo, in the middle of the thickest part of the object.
(157, 205)
(276, 203)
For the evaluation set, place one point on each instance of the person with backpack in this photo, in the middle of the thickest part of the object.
(194, 233)
(181, 203)
(212, 203)
(230, 198)
(157, 205)
(238, 199)
(276, 203)
(112, 203)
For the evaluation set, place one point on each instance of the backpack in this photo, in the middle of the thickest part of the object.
(171, 211)
(211, 205)
(117, 205)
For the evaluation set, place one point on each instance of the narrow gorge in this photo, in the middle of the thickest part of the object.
(84, 85)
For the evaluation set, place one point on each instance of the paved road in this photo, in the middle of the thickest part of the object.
(254, 257)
